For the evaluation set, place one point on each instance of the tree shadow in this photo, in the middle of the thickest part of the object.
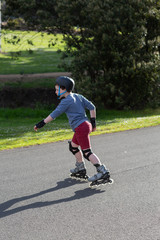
(87, 192)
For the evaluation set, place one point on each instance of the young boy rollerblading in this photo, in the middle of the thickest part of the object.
(74, 106)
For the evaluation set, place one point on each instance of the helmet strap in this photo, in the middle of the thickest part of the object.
(59, 94)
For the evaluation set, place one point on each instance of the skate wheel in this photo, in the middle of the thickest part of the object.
(72, 176)
(81, 178)
(93, 184)
(98, 184)
(111, 181)
(86, 177)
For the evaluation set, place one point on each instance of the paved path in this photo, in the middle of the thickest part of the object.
(27, 77)
(40, 201)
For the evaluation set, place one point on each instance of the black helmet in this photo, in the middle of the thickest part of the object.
(66, 82)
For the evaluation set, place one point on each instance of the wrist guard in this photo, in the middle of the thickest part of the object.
(40, 124)
(93, 122)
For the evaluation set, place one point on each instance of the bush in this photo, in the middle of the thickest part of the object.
(16, 24)
(115, 53)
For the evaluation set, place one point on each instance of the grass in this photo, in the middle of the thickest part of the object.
(33, 56)
(16, 125)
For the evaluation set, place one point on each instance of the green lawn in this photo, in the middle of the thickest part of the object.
(16, 125)
(25, 58)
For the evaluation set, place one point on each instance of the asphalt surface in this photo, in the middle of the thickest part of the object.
(40, 201)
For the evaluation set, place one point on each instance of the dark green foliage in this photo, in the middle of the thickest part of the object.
(115, 50)
(38, 14)
(114, 45)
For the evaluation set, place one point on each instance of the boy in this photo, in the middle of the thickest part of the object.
(74, 106)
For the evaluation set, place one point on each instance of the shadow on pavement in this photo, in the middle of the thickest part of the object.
(87, 192)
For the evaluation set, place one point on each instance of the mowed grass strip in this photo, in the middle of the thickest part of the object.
(18, 132)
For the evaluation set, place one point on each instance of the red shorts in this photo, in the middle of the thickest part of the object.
(81, 135)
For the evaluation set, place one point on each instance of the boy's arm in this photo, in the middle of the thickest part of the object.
(58, 111)
(93, 113)
(48, 119)
(93, 119)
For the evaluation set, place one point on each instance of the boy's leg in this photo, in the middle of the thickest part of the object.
(92, 158)
(81, 138)
(78, 155)
(102, 171)
(79, 171)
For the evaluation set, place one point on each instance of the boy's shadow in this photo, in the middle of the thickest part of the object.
(62, 184)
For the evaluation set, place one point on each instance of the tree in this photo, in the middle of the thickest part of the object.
(0, 25)
(2, 5)
(38, 15)
(113, 45)
(115, 50)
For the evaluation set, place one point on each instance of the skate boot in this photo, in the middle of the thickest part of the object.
(79, 171)
(102, 177)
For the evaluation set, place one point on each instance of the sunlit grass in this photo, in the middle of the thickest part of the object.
(127, 124)
(25, 58)
(38, 40)
(18, 131)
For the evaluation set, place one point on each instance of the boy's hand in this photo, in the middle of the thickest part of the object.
(35, 128)
(93, 129)
(39, 125)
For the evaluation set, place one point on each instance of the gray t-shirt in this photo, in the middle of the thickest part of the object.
(74, 106)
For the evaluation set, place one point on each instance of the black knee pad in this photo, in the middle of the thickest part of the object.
(73, 150)
(87, 153)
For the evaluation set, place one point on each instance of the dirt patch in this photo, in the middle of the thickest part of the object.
(31, 77)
